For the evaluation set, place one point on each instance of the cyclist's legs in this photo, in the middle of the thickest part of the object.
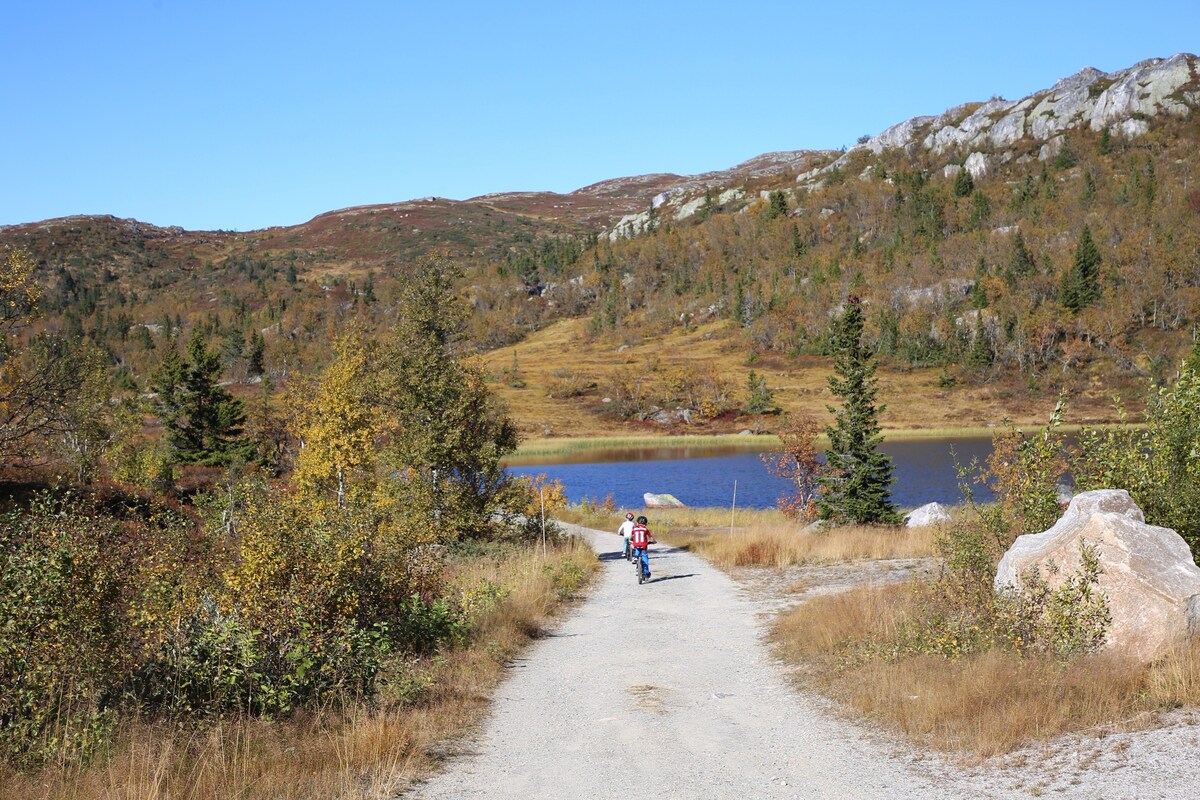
(644, 553)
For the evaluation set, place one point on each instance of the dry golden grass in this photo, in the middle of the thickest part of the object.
(983, 704)
(914, 401)
(764, 537)
(363, 752)
(784, 545)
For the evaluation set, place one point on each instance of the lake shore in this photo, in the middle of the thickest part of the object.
(537, 450)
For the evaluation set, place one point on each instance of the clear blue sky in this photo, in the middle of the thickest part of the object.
(240, 115)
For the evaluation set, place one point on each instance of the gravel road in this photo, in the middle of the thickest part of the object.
(662, 690)
(666, 690)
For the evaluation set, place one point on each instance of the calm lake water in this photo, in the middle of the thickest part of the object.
(924, 470)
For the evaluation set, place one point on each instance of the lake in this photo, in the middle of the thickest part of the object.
(924, 470)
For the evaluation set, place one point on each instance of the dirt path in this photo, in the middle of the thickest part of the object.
(664, 690)
(680, 699)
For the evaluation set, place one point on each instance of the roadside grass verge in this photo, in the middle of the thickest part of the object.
(983, 703)
(766, 545)
(368, 749)
(767, 538)
(763, 537)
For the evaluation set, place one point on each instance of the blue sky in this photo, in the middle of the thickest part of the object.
(242, 115)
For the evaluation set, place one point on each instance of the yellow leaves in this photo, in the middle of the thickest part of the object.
(339, 424)
(18, 291)
(543, 494)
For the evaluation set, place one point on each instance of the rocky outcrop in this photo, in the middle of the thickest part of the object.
(662, 501)
(928, 514)
(1148, 576)
(1121, 102)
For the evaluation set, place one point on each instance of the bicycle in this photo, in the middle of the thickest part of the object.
(643, 570)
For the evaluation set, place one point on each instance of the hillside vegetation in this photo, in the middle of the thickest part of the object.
(1027, 261)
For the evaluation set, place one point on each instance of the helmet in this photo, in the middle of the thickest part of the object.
(629, 515)
(642, 521)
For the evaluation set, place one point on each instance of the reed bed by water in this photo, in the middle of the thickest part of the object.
(533, 449)
(551, 448)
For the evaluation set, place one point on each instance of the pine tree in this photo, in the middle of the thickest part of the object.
(1020, 261)
(964, 184)
(981, 354)
(778, 204)
(857, 485)
(762, 399)
(202, 422)
(450, 432)
(254, 354)
(1081, 284)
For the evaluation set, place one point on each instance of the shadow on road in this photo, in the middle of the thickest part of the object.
(611, 557)
(671, 578)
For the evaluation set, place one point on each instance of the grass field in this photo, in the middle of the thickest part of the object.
(983, 703)
(765, 537)
(913, 398)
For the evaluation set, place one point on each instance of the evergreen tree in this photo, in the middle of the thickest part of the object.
(1089, 188)
(255, 353)
(1192, 362)
(798, 246)
(778, 204)
(450, 433)
(964, 184)
(1020, 261)
(857, 485)
(979, 298)
(981, 354)
(762, 399)
(202, 422)
(1081, 284)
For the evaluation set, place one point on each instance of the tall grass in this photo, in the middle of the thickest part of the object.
(763, 537)
(368, 750)
(983, 703)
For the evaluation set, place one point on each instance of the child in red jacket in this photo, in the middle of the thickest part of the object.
(641, 539)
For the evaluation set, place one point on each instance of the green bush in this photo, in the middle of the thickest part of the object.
(83, 593)
(1158, 464)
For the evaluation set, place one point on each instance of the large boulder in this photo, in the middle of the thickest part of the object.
(928, 514)
(662, 501)
(1151, 582)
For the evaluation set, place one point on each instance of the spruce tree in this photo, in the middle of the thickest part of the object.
(1081, 284)
(857, 484)
(964, 184)
(202, 422)
(1020, 261)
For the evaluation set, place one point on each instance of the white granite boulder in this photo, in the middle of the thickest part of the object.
(662, 501)
(928, 514)
(1148, 575)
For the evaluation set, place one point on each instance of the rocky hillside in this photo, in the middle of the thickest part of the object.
(979, 136)
(963, 232)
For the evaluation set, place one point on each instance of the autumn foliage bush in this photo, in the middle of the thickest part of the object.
(262, 606)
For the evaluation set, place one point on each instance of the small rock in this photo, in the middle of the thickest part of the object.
(928, 514)
(662, 501)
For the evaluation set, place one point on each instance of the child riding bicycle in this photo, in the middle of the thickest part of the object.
(640, 539)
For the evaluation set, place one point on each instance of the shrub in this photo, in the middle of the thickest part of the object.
(1158, 463)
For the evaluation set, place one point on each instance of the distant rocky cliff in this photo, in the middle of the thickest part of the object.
(1122, 102)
